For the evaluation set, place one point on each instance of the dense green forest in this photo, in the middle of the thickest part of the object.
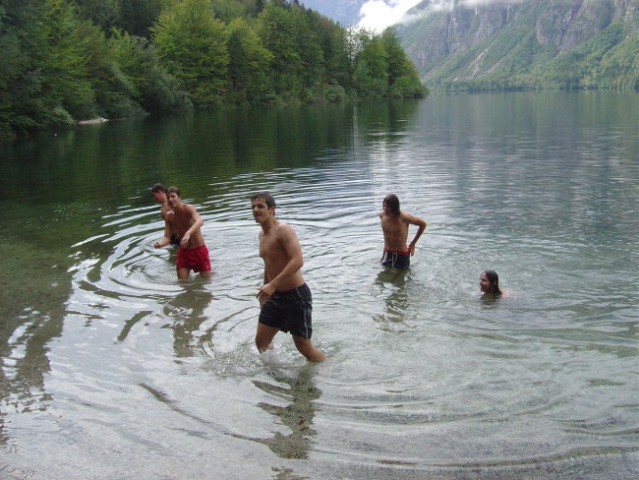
(69, 60)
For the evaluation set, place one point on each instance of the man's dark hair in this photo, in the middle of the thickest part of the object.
(158, 187)
(173, 189)
(266, 196)
(393, 203)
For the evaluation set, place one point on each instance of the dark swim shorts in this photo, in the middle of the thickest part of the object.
(289, 311)
(197, 259)
(396, 259)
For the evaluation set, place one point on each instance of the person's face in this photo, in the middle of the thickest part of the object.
(484, 283)
(260, 210)
(173, 199)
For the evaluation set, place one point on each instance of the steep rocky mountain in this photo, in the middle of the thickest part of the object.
(512, 44)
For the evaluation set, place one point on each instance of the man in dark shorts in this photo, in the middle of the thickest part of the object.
(395, 225)
(192, 254)
(285, 299)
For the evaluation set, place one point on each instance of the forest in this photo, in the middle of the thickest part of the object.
(65, 61)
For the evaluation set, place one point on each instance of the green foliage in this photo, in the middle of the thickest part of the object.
(150, 86)
(69, 60)
(191, 45)
(382, 69)
(106, 14)
(609, 60)
(228, 10)
(276, 28)
(249, 63)
(133, 16)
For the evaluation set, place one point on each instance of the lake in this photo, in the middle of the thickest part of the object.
(113, 369)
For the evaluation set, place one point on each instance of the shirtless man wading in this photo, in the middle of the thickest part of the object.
(285, 299)
(395, 225)
(186, 222)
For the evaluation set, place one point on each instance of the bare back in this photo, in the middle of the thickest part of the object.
(395, 228)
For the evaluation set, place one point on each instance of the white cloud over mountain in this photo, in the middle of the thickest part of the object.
(376, 15)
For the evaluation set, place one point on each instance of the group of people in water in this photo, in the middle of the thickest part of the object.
(284, 297)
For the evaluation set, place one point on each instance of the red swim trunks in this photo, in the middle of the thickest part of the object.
(196, 259)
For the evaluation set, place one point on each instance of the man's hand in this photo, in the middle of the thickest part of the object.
(185, 240)
(264, 292)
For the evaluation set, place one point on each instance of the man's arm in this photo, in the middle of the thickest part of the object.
(421, 227)
(197, 222)
(166, 239)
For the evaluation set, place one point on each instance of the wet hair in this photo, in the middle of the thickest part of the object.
(266, 196)
(493, 279)
(393, 203)
(158, 187)
(173, 189)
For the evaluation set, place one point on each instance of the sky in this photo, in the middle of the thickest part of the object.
(376, 15)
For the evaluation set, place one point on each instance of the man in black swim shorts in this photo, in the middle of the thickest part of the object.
(395, 224)
(285, 299)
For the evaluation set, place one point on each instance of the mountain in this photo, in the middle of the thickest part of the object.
(520, 44)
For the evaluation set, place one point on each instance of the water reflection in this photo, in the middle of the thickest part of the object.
(297, 416)
(187, 313)
(391, 287)
(32, 310)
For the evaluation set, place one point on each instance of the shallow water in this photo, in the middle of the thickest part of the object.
(111, 368)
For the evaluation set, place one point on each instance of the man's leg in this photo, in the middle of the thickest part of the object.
(306, 348)
(264, 336)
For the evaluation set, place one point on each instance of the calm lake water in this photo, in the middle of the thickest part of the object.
(112, 369)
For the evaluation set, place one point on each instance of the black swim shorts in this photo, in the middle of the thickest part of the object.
(289, 311)
(396, 259)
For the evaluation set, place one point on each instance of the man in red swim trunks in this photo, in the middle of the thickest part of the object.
(395, 225)
(192, 254)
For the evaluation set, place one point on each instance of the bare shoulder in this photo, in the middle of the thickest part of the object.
(410, 218)
(406, 217)
(284, 230)
(286, 236)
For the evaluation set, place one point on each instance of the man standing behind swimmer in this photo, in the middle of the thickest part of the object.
(158, 191)
(395, 224)
(192, 254)
(285, 299)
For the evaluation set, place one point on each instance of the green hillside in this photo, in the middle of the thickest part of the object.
(65, 61)
(529, 45)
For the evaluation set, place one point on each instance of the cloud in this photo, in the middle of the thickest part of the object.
(377, 15)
